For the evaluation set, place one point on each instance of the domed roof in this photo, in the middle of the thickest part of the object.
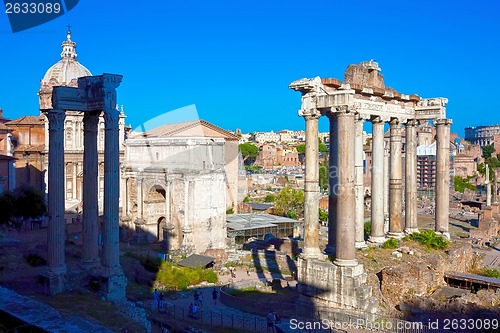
(67, 69)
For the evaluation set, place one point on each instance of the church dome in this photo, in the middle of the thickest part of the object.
(67, 69)
(63, 73)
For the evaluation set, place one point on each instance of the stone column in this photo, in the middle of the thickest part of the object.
(359, 185)
(90, 257)
(387, 163)
(74, 180)
(332, 183)
(411, 224)
(488, 186)
(346, 211)
(56, 228)
(442, 175)
(111, 192)
(311, 188)
(395, 182)
(377, 205)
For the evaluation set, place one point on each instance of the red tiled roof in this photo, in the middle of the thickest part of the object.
(27, 120)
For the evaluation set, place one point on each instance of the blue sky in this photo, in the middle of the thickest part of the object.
(235, 59)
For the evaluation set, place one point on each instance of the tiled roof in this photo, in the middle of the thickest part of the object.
(33, 148)
(27, 120)
(4, 128)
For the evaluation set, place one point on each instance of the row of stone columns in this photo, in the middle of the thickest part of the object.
(346, 199)
(56, 226)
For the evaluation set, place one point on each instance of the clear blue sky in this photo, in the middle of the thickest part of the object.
(235, 59)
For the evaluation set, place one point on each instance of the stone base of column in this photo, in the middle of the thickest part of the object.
(312, 253)
(386, 223)
(375, 240)
(360, 245)
(53, 284)
(90, 264)
(409, 231)
(345, 263)
(322, 284)
(113, 288)
(445, 234)
(396, 235)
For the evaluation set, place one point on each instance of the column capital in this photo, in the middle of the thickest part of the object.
(443, 121)
(394, 122)
(378, 120)
(411, 122)
(56, 119)
(91, 121)
(310, 114)
(111, 117)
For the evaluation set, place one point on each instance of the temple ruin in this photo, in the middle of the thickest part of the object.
(362, 97)
(93, 96)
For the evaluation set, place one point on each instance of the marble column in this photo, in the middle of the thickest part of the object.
(387, 163)
(90, 257)
(345, 254)
(377, 205)
(56, 228)
(442, 175)
(332, 183)
(111, 192)
(488, 186)
(411, 224)
(395, 182)
(74, 165)
(311, 188)
(359, 185)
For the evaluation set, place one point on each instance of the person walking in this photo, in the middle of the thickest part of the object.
(214, 295)
(200, 299)
(271, 318)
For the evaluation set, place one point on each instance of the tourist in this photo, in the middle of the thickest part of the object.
(156, 296)
(271, 318)
(195, 296)
(200, 299)
(194, 309)
(161, 297)
(214, 295)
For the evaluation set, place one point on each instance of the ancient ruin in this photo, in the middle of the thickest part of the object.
(362, 96)
(93, 96)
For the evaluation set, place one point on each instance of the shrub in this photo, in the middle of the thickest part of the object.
(35, 260)
(179, 278)
(367, 229)
(390, 244)
(430, 239)
(490, 272)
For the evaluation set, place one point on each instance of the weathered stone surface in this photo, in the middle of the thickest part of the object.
(425, 276)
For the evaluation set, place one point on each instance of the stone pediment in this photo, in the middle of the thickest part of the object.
(200, 128)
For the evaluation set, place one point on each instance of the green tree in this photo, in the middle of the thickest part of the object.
(269, 198)
(323, 215)
(488, 150)
(289, 200)
(249, 152)
(322, 148)
(323, 176)
(28, 203)
(301, 149)
(6, 207)
(461, 184)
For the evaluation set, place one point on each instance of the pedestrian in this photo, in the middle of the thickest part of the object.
(195, 297)
(214, 296)
(271, 318)
(248, 271)
(200, 299)
(161, 297)
(156, 297)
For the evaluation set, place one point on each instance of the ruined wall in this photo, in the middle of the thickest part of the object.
(424, 276)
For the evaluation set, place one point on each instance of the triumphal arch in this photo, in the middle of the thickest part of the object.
(362, 97)
(95, 95)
